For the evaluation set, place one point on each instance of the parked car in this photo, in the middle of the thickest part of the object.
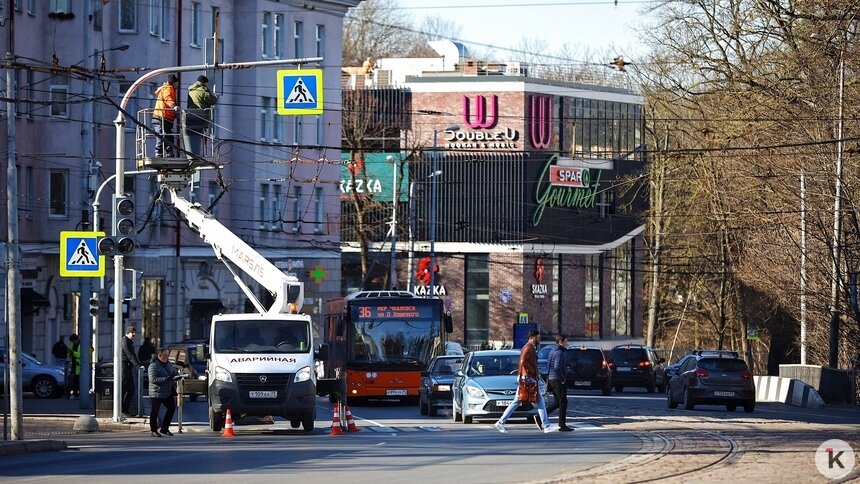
(713, 379)
(543, 358)
(672, 369)
(183, 355)
(434, 389)
(587, 369)
(452, 348)
(43, 380)
(637, 366)
(486, 384)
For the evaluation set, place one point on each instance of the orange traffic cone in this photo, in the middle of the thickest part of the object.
(350, 422)
(228, 426)
(335, 423)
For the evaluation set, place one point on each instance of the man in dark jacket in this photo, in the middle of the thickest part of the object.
(162, 376)
(199, 116)
(130, 361)
(555, 382)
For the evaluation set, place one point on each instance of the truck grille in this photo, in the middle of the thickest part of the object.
(263, 382)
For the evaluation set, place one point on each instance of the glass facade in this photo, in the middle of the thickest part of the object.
(621, 282)
(477, 314)
(592, 296)
(601, 129)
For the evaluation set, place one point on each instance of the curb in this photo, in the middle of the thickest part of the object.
(16, 447)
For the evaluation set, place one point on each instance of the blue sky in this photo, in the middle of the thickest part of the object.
(597, 26)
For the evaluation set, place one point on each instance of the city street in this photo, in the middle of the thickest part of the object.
(626, 437)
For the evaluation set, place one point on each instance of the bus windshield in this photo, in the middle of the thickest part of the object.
(269, 336)
(409, 341)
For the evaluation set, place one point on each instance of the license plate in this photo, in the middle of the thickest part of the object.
(724, 394)
(582, 383)
(263, 394)
(392, 393)
(504, 403)
(623, 368)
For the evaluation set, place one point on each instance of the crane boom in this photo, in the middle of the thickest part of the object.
(286, 289)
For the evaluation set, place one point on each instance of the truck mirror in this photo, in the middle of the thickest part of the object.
(449, 322)
(322, 354)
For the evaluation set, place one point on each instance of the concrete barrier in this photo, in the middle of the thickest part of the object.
(786, 390)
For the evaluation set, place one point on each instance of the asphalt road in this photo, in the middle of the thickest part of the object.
(620, 438)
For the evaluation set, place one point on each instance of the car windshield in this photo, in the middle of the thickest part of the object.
(494, 365)
(574, 355)
(270, 336)
(446, 366)
(722, 364)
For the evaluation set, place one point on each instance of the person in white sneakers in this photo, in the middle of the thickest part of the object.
(528, 389)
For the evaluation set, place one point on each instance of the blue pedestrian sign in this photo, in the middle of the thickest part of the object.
(300, 91)
(79, 255)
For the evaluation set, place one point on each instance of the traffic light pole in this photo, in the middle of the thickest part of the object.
(119, 124)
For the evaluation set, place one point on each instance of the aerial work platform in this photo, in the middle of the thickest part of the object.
(189, 147)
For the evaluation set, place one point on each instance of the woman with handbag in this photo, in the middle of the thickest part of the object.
(528, 386)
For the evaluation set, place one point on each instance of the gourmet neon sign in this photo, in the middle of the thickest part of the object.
(564, 187)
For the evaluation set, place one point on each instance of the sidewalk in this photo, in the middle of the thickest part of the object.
(46, 421)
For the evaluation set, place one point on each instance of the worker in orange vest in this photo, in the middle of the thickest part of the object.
(164, 116)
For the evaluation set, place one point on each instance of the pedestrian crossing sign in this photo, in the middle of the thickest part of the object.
(79, 255)
(300, 91)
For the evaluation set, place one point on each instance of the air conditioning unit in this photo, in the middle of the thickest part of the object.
(382, 77)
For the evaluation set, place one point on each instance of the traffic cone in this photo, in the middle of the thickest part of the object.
(228, 426)
(350, 422)
(335, 423)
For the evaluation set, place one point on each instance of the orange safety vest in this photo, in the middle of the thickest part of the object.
(165, 102)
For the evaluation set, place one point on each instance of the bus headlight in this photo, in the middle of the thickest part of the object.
(302, 375)
(222, 374)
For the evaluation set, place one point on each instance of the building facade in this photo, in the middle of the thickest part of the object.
(523, 191)
(275, 185)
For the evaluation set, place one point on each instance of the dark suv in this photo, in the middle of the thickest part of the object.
(587, 369)
(637, 366)
(714, 378)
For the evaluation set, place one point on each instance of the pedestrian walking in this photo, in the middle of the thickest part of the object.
(556, 382)
(162, 392)
(74, 355)
(164, 116)
(130, 361)
(528, 389)
(60, 351)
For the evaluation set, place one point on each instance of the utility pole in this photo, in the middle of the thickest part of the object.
(13, 274)
(85, 326)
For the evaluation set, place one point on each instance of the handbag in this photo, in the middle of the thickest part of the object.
(527, 389)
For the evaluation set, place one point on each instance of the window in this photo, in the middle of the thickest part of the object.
(621, 285)
(31, 7)
(297, 209)
(59, 98)
(18, 5)
(276, 208)
(155, 18)
(592, 296)
(214, 190)
(318, 218)
(128, 15)
(263, 206)
(98, 15)
(195, 24)
(477, 311)
(266, 36)
(278, 40)
(58, 189)
(165, 20)
(265, 119)
(320, 41)
(298, 48)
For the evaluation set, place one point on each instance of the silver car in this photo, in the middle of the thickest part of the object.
(486, 385)
(45, 381)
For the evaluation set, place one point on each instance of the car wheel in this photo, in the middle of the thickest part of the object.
(295, 423)
(619, 388)
(308, 422)
(662, 387)
(731, 407)
(651, 387)
(432, 410)
(749, 406)
(422, 407)
(672, 403)
(467, 419)
(216, 420)
(689, 403)
(45, 387)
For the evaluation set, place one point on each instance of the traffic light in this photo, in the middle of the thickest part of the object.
(122, 241)
(94, 306)
(124, 225)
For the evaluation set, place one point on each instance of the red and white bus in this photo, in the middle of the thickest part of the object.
(381, 341)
